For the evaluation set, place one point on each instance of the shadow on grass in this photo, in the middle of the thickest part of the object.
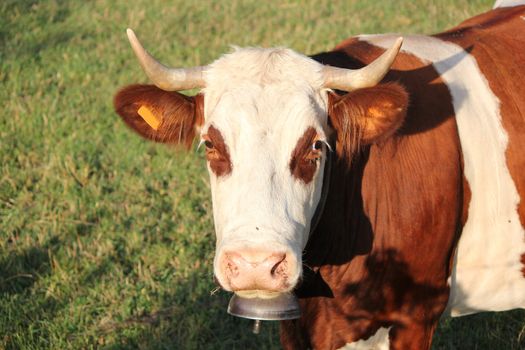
(191, 318)
(24, 312)
(19, 270)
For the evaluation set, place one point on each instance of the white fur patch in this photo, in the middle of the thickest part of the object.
(508, 3)
(487, 270)
(379, 341)
(262, 101)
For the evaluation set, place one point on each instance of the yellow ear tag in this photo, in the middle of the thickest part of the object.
(149, 117)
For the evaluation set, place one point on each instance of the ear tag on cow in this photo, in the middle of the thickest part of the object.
(149, 117)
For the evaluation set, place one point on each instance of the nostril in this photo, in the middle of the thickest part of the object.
(279, 267)
(233, 270)
(232, 267)
(255, 265)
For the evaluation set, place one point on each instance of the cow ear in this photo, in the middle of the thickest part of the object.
(366, 116)
(158, 115)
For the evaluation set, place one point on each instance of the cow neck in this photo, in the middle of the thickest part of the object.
(324, 193)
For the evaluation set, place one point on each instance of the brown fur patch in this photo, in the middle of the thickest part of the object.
(218, 155)
(178, 114)
(366, 116)
(303, 163)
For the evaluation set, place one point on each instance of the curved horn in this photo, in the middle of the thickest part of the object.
(165, 78)
(352, 79)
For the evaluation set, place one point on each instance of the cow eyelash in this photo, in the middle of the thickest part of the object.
(315, 152)
(317, 145)
(207, 143)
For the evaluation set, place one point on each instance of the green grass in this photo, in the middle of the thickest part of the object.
(106, 241)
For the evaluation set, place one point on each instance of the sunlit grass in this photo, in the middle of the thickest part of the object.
(107, 240)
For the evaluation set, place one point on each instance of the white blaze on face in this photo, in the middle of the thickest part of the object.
(262, 101)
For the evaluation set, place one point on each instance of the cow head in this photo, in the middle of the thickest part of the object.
(267, 118)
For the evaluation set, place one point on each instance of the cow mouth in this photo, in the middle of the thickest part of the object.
(258, 293)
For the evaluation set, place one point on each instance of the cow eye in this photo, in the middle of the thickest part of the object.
(317, 145)
(208, 144)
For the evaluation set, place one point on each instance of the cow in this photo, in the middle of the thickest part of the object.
(380, 182)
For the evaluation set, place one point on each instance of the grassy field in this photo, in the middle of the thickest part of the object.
(106, 241)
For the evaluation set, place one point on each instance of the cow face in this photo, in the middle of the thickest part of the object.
(266, 120)
(266, 131)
